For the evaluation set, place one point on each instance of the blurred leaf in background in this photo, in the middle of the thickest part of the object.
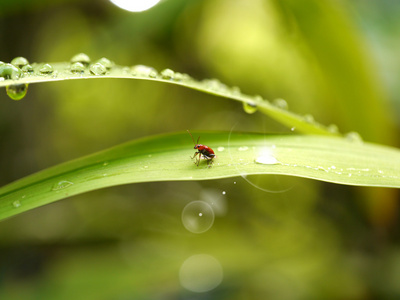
(307, 240)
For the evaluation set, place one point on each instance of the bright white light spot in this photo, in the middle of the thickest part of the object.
(266, 158)
(135, 5)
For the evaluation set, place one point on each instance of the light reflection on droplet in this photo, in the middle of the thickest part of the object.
(200, 273)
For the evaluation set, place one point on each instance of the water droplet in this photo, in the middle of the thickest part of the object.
(16, 203)
(220, 149)
(106, 163)
(235, 90)
(27, 69)
(17, 91)
(249, 107)
(46, 69)
(179, 76)
(77, 67)
(200, 273)
(98, 69)
(19, 62)
(62, 185)
(106, 62)
(9, 71)
(82, 58)
(293, 128)
(141, 70)
(223, 193)
(167, 74)
(266, 157)
(243, 148)
(214, 85)
(280, 103)
(353, 137)
(198, 216)
(234, 182)
(332, 128)
(308, 118)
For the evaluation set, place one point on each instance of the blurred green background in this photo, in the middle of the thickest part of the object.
(273, 238)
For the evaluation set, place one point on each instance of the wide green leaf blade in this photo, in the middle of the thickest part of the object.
(167, 158)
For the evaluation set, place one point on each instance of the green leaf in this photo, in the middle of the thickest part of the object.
(16, 82)
(167, 158)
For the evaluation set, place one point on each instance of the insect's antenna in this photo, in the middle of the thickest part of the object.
(192, 137)
(198, 140)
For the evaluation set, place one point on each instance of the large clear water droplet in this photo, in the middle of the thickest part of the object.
(17, 91)
(82, 58)
(249, 107)
(98, 69)
(198, 216)
(19, 62)
(9, 71)
(46, 69)
(77, 68)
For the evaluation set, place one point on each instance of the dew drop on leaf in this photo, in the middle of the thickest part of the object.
(82, 58)
(98, 69)
(332, 128)
(249, 107)
(27, 69)
(16, 204)
(46, 69)
(235, 91)
(62, 185)
(308, 118)
(19, 62)
(167, 74)
(198, 216)
(280, 103)
(106, 62)
(353, 137)
(9, 71)
(17, 91)
(77, 68)
(214, 85)
(141, 70)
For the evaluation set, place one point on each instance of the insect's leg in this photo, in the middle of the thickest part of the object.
(194, 155)
(210, 162)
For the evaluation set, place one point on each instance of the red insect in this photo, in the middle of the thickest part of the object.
(202, 150)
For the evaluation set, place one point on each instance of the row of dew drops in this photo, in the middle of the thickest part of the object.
(81, 64)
